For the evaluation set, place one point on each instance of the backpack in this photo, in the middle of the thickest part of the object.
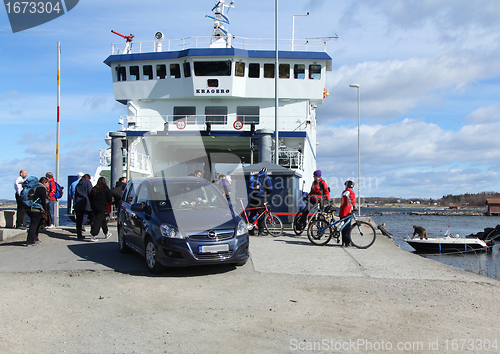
(59, 191)
(256, 184)
(28, 193)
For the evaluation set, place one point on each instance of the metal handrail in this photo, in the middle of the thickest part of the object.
(196, 122)
(306, 45)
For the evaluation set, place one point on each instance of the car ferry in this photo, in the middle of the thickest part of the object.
(205, 103)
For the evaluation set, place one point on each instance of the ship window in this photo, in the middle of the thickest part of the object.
(239, 69)
(161, 71)
(216, 114)
(299, 71)
(212, 68)
(187, 69)
(121, 73)
(269, 71)
(175, 71)
(134, 73)
(284, 71)
(248, 114)
(315, 72)
(185, 112)
(254, 70)
(213, 83)
(147, 72)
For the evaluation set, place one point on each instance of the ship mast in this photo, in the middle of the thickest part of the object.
(221, 38)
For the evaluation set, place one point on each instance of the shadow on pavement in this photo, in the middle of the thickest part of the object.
(108, 255)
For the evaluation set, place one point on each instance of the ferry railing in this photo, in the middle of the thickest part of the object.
(217, 122)
(138, 161)
(306, 45)
(290, 158)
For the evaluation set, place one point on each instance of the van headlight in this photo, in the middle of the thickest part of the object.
(170, 231)
(241, 229)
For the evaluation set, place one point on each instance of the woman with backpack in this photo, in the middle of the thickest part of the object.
(35, 212)
(100, 199)
(259, 187)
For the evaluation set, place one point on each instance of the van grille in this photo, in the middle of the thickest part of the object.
(219, 235)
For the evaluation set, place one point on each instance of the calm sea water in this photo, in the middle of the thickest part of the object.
(400, 221)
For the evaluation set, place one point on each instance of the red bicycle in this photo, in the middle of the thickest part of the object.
(272, 222)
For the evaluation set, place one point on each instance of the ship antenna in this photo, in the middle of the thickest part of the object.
(128, 45)
(221, 38)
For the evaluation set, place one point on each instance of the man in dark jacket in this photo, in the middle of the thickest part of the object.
(117, 193)
(82, 203)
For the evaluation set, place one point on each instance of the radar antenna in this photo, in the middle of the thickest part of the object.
(128, 45)
(221, 38)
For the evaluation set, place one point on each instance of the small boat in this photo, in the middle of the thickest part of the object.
(447, 244)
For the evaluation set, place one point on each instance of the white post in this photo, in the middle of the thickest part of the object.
(359, 153)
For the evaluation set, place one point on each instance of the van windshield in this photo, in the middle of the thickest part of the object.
(182, 195)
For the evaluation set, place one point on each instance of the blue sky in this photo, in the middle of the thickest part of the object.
(429, 76)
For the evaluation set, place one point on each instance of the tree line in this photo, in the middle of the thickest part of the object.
(467, 199)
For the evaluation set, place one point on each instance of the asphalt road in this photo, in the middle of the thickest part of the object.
(71, 296)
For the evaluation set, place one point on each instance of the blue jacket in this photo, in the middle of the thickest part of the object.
(267, 186)
(71, 189)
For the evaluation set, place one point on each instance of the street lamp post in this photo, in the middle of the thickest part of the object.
(293, 28)
(359, 155)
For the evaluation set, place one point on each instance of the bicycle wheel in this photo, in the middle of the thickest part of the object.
(319, 232)
(298, 231)
(362, 234)
(273, 224)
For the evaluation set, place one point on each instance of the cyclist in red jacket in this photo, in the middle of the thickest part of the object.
(319, 192)
(347, 207)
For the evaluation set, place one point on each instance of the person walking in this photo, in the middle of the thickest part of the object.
(100, 199)
(71, 198)
(259, 187)
(82, 203)
(72, 186)
(347, 207)
(21, 207)
(35, 212)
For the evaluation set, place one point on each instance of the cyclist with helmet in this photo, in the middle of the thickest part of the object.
(347, 207)
(319, 192)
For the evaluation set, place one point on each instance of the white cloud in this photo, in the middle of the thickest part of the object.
(411, 153)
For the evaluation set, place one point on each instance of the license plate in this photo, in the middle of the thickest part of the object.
(213, 248)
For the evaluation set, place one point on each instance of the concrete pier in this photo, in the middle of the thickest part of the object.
(290, 297)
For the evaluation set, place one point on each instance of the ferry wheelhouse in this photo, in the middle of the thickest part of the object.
(205, 102)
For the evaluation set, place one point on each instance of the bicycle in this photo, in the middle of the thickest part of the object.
(310, 217)
(362, 233)
(272, 222)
